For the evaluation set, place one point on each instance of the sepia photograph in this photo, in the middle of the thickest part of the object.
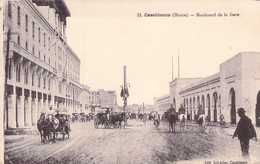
(130, 82)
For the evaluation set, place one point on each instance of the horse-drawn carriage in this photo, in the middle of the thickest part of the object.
(107, 119)
(101, 119)
(64, 125)
(82, 117)
(75, 117)
(50, 125)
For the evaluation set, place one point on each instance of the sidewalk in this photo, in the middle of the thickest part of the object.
(22, 131)
(229, 128)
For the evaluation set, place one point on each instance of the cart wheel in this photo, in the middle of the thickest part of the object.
(106, 125)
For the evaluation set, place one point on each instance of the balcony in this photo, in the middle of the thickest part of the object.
(26, 54)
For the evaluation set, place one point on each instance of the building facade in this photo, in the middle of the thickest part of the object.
(84, 100)
(162, 104)
(236, 85)
(101, 98)
(42, 69)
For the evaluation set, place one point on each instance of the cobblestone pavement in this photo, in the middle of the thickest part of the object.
(138, 143)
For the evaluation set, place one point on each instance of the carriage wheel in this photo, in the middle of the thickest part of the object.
(106, 125)
(95, 123)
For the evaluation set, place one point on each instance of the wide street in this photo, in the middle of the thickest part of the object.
(138, 143)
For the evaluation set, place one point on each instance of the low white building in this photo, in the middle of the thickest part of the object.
(236, 85)
(162, 104)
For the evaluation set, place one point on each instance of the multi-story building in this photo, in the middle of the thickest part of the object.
(101, 98)
(84, 100)
(42, 68)
(236, 85)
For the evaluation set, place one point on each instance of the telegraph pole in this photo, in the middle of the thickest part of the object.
(125, 87)
(124, 91)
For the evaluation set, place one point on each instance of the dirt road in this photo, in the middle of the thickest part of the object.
(138, 143)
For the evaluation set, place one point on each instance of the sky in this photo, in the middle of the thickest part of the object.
(106, 35)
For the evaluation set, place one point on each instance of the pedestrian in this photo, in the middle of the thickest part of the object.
(188, 117)
(245, 131)
(156, 117)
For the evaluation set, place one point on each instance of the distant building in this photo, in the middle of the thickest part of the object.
(84, 100)
(162, 104)
(101, 98)
(136, 108)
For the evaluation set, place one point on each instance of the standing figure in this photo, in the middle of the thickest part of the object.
(222, 120)
(144, 118)
(245, 131)
(156, 118)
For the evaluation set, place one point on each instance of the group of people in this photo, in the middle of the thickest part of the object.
(244, 130)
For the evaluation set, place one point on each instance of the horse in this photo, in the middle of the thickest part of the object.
(202, 123)
(182, 118)
(47, 127)
(40, 127)
(172, 119)
(52, 125)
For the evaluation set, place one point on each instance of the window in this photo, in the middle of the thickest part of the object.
(44, 39)
(44, 82)
(33, 49)
(9, 69)
(59, 87)
(26, 76)
(49, 84)
(39, 81)
(18, 73)
(33, 79)
(33, 30)
(19, 15)
(44, 58)
(26, 45)
(18, 39)
(26, 23)
(39, 54)
(39, 34)
(49, 61)
(49, 43)
(9, 9)
(55, 65)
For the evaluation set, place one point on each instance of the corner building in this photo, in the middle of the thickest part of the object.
(42, 69)
(236, 85)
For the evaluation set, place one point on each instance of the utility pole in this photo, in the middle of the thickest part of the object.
(124, 91)
(125, 87)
